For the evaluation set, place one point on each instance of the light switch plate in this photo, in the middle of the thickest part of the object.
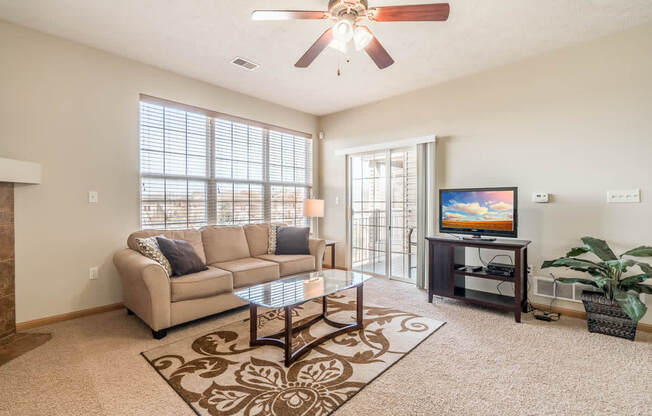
(93, 273)
(624, 196)
(92, 197)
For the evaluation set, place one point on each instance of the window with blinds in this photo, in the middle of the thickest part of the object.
(199, 168)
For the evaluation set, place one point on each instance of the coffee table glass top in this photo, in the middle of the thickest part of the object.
(301, 288)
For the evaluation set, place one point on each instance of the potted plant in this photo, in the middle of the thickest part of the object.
(617, 310)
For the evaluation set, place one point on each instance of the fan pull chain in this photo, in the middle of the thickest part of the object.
(339, 66)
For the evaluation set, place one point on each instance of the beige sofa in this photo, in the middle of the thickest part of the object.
(236, 257)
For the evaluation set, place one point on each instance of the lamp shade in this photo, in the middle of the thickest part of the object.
(313, 207)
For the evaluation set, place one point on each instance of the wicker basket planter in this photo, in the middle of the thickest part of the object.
(606, 317)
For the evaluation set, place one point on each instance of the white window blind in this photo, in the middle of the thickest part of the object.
(199, 168)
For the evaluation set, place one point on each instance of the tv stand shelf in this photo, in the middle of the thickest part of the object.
(485, 275)
(446, 255)
(482, 298)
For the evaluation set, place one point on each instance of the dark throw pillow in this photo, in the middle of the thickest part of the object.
(181, 255)
(292, 240)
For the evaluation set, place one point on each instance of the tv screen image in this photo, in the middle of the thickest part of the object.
(489, 211)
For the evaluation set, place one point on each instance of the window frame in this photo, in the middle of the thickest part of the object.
(211, 180)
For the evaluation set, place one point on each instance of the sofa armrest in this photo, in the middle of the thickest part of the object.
(317, 247)
(145, 287)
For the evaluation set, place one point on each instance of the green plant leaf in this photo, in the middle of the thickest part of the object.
(604, 282)
(630, 304)
(600, 248)
(577, 280)
(630, 281)
(576, 251)
(576, 264)
(620, 264)
(642, 251)
(647, 269)
(590, 270)
(642, 289)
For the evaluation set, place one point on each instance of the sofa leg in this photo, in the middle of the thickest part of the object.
(159, 334)
(129, 312)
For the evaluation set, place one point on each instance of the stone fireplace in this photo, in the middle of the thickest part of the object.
(12, 344)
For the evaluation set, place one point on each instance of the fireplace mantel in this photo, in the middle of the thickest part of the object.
(19, 171)
(13, 344)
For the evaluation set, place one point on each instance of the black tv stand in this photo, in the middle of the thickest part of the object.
(447, 277)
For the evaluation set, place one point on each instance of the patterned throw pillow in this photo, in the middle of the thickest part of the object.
(149, 248)
(272, 239)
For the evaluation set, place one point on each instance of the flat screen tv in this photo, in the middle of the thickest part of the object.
(479, 211)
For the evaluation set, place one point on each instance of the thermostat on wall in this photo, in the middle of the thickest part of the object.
(540, 197)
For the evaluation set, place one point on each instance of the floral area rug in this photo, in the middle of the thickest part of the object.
(220, 374)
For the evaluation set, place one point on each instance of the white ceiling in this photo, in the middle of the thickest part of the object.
(198, 38)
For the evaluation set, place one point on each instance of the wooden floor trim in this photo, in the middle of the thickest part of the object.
(582, 315)
(48, 320)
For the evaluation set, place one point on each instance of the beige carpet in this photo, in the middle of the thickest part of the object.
(219, 374)
(479, 363)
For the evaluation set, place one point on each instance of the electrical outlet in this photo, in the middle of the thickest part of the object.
(337, 200)
(624, 196)
(93, 273)
(92, 197)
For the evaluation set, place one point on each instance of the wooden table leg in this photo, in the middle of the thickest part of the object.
(333, 256)
(288, 336)
(253, 324)
(518, 282)
(525, 279)
(358, 312)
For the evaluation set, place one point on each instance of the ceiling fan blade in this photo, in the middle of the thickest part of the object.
(324, 40)
(421, 12)
(377, 52)
(287, 15)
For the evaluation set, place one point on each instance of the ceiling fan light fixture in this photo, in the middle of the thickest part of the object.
(361, 38)
(343, 29)
(340, 45)
(347, 15)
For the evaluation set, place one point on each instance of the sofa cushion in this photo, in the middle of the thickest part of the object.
(291, 264)
(292, 240)
(257, 238)
(250, 271)
(181, 255)
(210, 282)
(192, 236)
(149, 248)
(224, 243)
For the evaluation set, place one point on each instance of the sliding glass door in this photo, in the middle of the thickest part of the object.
(368, 205)
(382, 213)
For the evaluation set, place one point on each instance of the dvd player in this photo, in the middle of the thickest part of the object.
(501, 269)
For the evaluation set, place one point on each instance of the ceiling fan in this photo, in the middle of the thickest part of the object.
(348, 14)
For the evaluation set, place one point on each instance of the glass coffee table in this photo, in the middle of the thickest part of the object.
(293, 291)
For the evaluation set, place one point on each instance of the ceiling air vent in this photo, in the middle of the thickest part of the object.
(243, 63)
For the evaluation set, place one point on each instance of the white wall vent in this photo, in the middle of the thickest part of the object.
(243, 63)
(548, 288)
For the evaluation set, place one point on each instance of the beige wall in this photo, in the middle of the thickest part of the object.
(573, 123)
(75, 110)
